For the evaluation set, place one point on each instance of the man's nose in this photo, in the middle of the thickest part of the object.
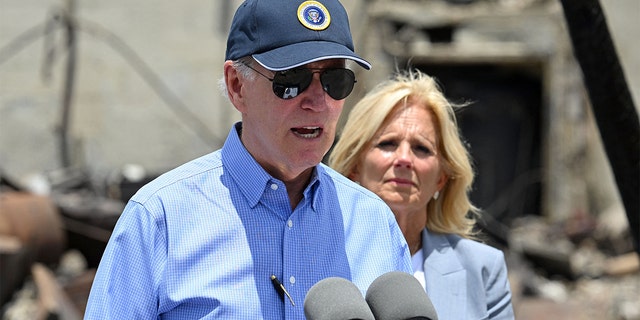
(315, 94)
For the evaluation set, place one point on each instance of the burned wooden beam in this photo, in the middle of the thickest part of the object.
(611, 100)
(53, 301)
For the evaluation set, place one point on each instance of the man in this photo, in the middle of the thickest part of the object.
(244, 232)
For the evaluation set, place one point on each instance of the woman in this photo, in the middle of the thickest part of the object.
(401, 141)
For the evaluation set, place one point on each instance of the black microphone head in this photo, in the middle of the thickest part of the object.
(336, 299)
(398, 295)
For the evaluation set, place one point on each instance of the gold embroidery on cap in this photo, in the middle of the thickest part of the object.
(313, 15)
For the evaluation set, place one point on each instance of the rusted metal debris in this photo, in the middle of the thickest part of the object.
(37, 230)
(31, 230)
(35, 221)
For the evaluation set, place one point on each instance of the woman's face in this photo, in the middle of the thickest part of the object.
(402, 166)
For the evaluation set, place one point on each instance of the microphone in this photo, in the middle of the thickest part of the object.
(336, 298)
(398, 295)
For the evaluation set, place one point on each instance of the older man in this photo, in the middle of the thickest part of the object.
(245, 231)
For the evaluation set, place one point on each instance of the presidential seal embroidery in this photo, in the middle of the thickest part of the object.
(313, 15)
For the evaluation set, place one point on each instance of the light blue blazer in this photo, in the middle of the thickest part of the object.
(465, 279)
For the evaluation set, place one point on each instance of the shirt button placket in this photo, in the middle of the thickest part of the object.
(292, 279)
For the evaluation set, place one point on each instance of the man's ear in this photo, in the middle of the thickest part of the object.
(234, 83)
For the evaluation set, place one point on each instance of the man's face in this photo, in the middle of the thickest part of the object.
(289, 136)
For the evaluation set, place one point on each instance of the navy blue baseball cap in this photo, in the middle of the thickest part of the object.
(284, 34)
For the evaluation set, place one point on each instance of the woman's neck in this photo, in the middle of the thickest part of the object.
(412, 224)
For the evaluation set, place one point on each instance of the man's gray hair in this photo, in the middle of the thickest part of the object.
(242, 66)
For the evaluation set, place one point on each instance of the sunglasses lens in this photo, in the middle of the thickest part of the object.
(338, 83)
(290, 83)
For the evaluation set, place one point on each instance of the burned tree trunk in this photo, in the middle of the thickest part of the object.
(611, 101)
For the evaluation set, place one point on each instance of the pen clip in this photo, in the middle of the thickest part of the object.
(281, 289)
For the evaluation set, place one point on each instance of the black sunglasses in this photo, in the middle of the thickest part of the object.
(288, 84)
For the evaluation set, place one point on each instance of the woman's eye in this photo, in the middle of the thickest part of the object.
(386, 145)
(423, 150)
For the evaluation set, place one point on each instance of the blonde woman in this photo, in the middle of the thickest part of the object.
(402, 142)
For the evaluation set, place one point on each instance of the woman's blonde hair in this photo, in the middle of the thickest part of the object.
(452, 212)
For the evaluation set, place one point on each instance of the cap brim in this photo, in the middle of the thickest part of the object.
(299, 54)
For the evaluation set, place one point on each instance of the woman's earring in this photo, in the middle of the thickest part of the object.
(436, 195)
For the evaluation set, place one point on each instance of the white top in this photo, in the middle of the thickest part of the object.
(418, 267)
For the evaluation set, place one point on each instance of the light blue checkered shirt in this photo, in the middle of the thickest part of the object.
(202, 240)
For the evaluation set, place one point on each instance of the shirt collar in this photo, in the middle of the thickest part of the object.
(311, 191)
(251, 178)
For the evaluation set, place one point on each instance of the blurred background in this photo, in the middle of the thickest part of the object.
(98, 98)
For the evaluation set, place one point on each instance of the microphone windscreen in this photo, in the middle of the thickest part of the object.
(336, 298)
(398, 295)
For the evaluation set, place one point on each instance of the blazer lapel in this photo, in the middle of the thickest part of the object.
(445, 277)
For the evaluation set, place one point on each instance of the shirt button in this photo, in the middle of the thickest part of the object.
(274, 186)
(292, 279)
(290, 223)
